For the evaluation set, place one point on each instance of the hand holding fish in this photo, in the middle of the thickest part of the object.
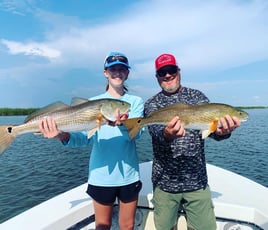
(174, 129)
(228, 124)
(119, 118)
(48, 127)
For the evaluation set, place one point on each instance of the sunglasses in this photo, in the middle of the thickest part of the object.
(113, 70)
(172, 70)
(114, 58)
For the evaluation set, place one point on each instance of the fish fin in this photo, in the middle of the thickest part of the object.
(214, 125)
(212, 128)
(91, 132)
(205, 133)
(6, 137)
(133, 126)
(78, 101)
(47, 109)
(99, 123)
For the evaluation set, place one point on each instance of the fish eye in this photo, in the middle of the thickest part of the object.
(9, 129)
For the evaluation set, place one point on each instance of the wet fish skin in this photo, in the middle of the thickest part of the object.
(203, 117)
(81, 115)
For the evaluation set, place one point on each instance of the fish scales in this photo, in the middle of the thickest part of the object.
(70, 119)
(87, 116)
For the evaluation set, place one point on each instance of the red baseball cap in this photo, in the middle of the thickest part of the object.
(163, 60)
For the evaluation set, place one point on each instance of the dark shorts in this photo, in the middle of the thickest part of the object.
(107, 195)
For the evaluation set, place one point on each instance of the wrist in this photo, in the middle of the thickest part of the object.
(63, 136)
(167, 136)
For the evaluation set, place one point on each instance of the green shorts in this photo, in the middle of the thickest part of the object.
(197, 205)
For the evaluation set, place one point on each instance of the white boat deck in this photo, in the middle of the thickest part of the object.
(237, 197)
(234, 197)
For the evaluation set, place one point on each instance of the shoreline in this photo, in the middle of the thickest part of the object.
(28, 111)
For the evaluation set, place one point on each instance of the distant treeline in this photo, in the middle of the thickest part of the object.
(16, 111)
(27, 111)
(252, 107)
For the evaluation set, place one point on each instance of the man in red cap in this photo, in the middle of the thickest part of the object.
(179, 172)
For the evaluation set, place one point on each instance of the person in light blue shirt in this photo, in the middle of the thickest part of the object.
(113, 164)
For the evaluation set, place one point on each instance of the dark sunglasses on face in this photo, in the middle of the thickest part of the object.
(172, 70)
(117, 70)
(116, 58)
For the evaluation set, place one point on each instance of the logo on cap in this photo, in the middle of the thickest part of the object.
(163, 60)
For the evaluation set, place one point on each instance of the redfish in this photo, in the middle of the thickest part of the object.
(203, 117)
(81, 115)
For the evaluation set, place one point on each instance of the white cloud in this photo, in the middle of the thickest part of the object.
(206, 37)
(18, 7)
(34, 49)
(203, 35)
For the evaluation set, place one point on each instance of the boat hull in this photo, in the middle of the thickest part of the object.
(234, 197)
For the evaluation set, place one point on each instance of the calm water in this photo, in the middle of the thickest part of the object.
(35, 169)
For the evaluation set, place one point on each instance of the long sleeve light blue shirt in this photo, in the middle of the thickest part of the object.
(113, 160)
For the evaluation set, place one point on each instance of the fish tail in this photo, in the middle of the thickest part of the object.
(6, 137)
(133, 126)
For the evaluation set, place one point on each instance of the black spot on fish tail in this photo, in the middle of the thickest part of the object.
(139, 121)
(9, 129)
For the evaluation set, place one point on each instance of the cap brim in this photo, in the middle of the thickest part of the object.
(165, 66)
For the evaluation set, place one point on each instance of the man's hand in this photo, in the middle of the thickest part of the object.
(228, 125)
(174, 129)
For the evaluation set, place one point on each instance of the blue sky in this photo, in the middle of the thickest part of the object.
(54, 50)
